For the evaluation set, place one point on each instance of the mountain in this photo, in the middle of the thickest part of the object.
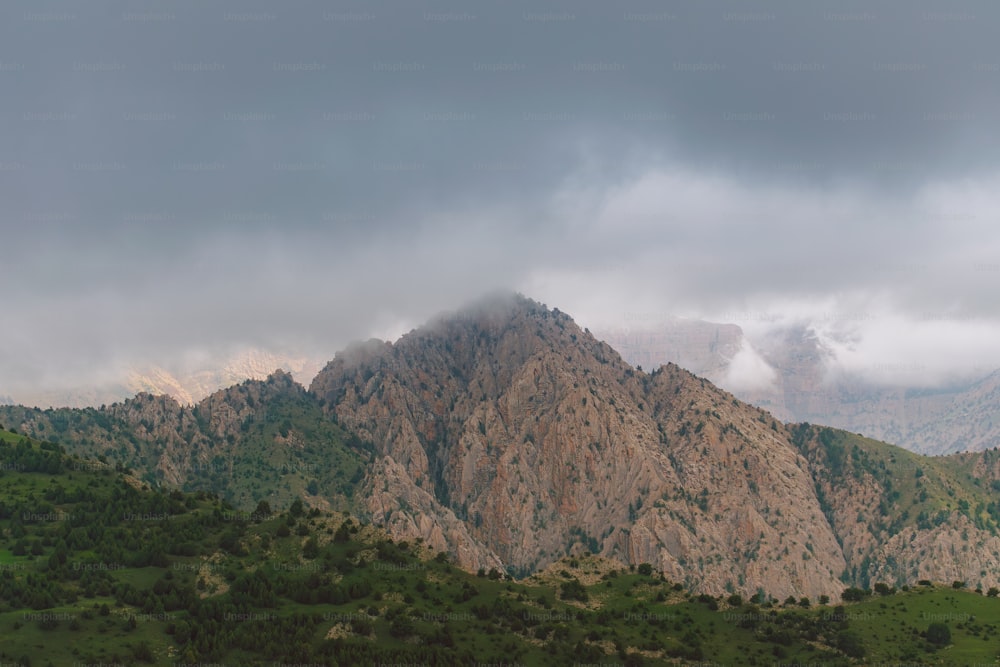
(964, 416)
(508, 436)
(545, 442)
(795, 382)
(187, 384)
(968, 421)
(190, 386)
(259, 440)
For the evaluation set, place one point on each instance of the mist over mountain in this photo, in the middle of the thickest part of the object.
(510, 437)
(795, 373)
(186, 382)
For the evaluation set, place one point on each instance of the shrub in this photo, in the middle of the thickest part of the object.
(311, 548)
(707, 599)
(938, 634)
(401, 627)
(853, 594)
(850, 643)
(362, 626)
(883, 589)
(573, 590)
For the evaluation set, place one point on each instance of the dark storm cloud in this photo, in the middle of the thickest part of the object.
(185, 174)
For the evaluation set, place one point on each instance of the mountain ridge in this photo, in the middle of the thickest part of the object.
(509, 436)
(187, 383)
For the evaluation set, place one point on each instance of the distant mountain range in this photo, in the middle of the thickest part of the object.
(787, 373)
(187, 386)
(508, 436)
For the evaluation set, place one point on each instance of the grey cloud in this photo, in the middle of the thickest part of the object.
(320, 170)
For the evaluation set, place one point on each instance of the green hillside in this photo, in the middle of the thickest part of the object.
(870, 489)
(261, 440)
(98, 569)
(918, 490)
(320, 460)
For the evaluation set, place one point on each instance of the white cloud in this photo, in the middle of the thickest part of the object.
(748, 371)
(900, 289)
(897, 349)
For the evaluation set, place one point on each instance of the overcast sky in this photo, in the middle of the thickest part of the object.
(184, 177)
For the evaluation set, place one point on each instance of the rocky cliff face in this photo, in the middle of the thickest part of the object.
(545, 442)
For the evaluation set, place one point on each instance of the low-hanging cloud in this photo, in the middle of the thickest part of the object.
(748, 371)
(297, 177)
(901, 289)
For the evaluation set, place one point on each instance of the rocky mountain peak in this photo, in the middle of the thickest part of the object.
(543, 442)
